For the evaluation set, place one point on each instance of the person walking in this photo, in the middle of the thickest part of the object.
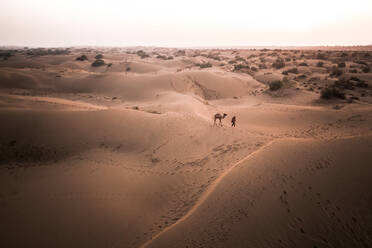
(233, 120)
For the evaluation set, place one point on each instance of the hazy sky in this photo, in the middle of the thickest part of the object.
(185, 23)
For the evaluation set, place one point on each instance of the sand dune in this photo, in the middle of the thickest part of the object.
(114, 157)
(310, 191)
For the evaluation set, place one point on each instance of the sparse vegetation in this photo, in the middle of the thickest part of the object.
(358, 82)
(180, 53)
(366, 69)
(98, 56)
(336, 72)
(331, 92)
(262, 66)
(278, 64)
(344, 84)
(320, 64)
(275, 85)
(239, 67)
(292, 70)
(98, 62)
(320, 56)
(238, 58)
(142, 54)
(82, 58)
(44, 52)
(341, 65)
(5, 55)
(164, 57)
(204, 65)
(214, 57)
(361, 62)
(303, 64)
(302, 76)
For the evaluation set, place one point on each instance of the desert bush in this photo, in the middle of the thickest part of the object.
(332, 92)
(98, 56)
(336, 72)
(355, 79)
(238, 58)
(44, 52)
(5, 55)
(98, 62)
(214, 56)
(82, 58)
(278, 64)
(366, 69)
(344, 84)
(361, 84)
(142, 54)
(262, 66)
(320, 56)
(292, 70)
(361, 62)
(303, 64)
(180, 53)
(161, 57)
(358, 82)
(275, 85)
(204, 65)
(312, 79)
(240, 67)
(254, 69)
(353, 71)
(320, 64)
(164, 57)
(341, 65)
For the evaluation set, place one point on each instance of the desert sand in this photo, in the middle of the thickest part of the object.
(126, 153)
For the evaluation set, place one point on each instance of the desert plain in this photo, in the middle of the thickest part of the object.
(117, 147)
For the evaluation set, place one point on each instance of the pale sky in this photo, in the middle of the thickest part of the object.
(187, 23)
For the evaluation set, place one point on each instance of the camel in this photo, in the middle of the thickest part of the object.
(219, 117)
